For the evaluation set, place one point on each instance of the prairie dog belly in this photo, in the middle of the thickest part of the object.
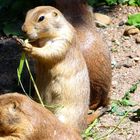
(63, 85)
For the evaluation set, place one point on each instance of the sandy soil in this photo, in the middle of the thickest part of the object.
(125, 53)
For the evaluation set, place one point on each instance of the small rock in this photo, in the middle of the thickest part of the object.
(125, 37)
(129, 136)
(127, 65)
(114, 50)
(114, 84)
(131, 30)
(116, 42)
(113, 63)
(130, 56)
(118, 66)
(102, 20)
(121, 23)
(138, 38)
(136, 59)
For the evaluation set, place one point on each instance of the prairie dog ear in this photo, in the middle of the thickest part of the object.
(12, 106)
(55, 14)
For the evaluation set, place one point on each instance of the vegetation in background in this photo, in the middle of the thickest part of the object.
(113, 2)
(13, 12)
(134, 20)
(125, 101)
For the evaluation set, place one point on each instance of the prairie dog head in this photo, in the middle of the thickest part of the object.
(44, 22)
(12, 117)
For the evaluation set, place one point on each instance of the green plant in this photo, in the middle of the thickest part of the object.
(95, 135)
(134, 2)
(112, 130)
(134, 20)
(23, 61)
(124, 101)
(112, 2)
(88, 132)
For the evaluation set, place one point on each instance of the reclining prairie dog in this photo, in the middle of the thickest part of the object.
(23, 119)
(61, 72)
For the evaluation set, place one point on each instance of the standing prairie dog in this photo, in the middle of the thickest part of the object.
(23, 119)
(61, 72)
(93, 48)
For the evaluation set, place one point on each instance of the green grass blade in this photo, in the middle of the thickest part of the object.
(32, 79)
(19, 80)
(20, 67)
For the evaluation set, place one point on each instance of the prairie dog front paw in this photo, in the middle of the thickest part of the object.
(27, 47)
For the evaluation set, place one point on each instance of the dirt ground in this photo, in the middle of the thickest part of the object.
(125, 53)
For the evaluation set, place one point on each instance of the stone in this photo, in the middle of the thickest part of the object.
(102, 20)
(138, 38)
(131, 30)
(136, 59)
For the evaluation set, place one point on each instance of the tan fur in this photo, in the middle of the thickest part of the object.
(94, 49)
(61, 76)
(23, 119)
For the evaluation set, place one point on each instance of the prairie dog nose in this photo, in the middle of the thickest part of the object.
(24, 29)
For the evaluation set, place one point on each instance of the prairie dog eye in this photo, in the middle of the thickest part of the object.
(41, 18)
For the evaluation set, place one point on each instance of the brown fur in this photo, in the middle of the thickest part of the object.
(95, 52)
(23, 119)
(61, 76)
